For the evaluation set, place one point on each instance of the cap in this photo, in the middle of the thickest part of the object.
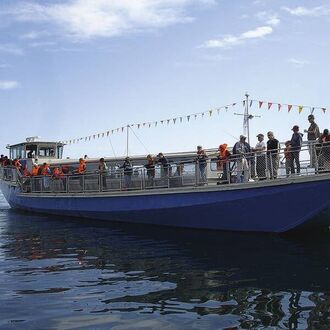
(310, 116)
(260, 135)
(295, 127)
(242, 137)
(199, 147)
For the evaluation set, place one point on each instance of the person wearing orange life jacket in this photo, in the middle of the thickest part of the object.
(57, 173)
(223, 161)
(45, 169)
(26, 172)
(45, 172)
(81, 169)
(35, 170)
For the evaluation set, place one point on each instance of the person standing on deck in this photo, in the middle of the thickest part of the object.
(150, 167)
(296, 142)
(165, 170)
(223, 162)
(259, 150)
(128, 171)
(241, 149)
(103, 170)
(201, 160)
(313, 133)
(273, 147)
(324, 153)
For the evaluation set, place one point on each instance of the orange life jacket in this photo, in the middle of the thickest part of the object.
(17, 164)
(57, 173)
(35, 170)
(82, 167)
(45, 170)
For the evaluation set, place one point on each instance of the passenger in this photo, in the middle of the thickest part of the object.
(324, 153)
(128, 171)
(296, 143)
(223, 162)
(272, 155)
(1, 160)
(202, 163)
(17, 164)
(150, 167)
(289, 168)
(260, 150)
(35, 169)
(57, 173)
(103, 170)
(45, 172)
(241, 150)
(166, 167)
(313, 134)
(81, 169)
(26, 172)
(85, 157)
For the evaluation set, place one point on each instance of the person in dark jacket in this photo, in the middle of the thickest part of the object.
(296, 142)
(150, 167)
(128, 171)
(166, 167)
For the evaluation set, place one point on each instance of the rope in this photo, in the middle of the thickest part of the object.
(146, 149)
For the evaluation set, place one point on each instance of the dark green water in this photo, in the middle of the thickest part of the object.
(60, 273)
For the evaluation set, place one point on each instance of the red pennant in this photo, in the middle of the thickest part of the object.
(289, 107)
(269, 105)
(260, 104)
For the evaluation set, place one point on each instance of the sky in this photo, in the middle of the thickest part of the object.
(72, 69)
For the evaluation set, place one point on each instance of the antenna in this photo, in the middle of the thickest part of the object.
(246, 117)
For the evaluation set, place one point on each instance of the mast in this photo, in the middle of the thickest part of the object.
(246, 126)
(127, 136)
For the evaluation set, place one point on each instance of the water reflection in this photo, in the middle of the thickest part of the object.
(64, 273)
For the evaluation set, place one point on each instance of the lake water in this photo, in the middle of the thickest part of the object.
(61, 273)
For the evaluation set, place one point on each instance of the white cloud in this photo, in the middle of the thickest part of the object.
(268, 18)
(312, 12)
(230, 40)
(83, 19)
(11, 49)
(298, 63)
(8, 84)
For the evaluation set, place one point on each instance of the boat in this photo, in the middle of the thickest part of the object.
(178, 199)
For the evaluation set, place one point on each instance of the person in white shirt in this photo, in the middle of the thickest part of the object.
(259, 150)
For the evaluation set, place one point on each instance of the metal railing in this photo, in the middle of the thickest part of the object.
(312, 159)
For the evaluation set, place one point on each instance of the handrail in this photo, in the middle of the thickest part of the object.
(239, 168)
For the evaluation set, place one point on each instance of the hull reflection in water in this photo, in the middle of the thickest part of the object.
(78, 274)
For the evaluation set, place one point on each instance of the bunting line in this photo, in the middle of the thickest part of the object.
(186, 118)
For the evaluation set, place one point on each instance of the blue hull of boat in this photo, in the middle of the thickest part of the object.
(273, 208)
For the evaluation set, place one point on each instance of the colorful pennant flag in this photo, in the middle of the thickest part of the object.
(300, 108)
(289, 107)
(269, 105)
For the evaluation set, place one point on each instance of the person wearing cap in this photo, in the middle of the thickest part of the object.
(128, 171)
(296, 143)
(241, 150)
(259, 150)
(201, 160)
(273, 147)
(313, 133)
(324, 151)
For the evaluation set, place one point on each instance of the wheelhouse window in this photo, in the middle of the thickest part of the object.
(46, 151)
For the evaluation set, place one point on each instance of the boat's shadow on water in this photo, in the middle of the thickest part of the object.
(298, 260)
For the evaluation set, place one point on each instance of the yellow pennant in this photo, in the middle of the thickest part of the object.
(300, 108)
